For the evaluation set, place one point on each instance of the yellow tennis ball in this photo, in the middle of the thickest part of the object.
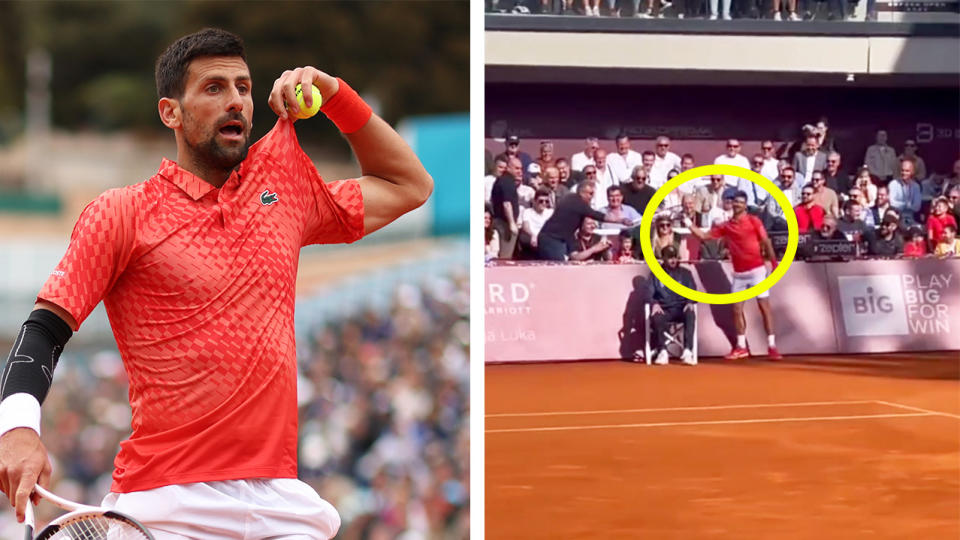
(304, 111)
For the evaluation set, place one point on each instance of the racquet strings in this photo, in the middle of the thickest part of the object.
(95, 527)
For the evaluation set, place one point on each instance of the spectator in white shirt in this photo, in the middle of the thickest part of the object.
(881, 158)
(648, 159)
(581, 159)
(756, 195)
(905, 195)
(865, 184)
(604, 179)
(720, 214)
(664, 161)
(624, 160)
(533, 218)
(499, 168)
(732, 157)
(617, 210)
(771, 165)
(525, 192)
(687, 162)
(710, 195)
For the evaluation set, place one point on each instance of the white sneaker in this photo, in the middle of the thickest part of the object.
(713, 17)
(777, 17)
(662, 359)
(687, 358)
(793, 16)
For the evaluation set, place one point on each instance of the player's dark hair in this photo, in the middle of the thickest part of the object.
(171, 69)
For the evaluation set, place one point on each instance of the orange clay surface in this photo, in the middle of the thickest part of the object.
(809, 448)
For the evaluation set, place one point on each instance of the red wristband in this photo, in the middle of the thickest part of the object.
(346, 109)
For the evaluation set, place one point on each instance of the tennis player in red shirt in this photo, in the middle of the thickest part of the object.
(747, 242)
(197, 268)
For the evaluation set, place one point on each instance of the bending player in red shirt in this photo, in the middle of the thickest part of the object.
(197, 269)
(747, 242)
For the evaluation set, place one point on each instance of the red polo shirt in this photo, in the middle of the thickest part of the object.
(809, 216)
(743, 236)
(198, 283)
(935, 225)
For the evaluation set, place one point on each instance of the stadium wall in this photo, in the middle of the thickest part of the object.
(543, 312)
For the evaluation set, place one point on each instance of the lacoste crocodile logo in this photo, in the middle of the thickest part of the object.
(267, 198)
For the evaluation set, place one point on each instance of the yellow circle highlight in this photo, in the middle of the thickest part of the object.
(793, 236)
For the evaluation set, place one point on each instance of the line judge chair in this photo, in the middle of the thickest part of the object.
(673, 338)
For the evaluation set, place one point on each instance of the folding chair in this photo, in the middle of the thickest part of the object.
(673, 337)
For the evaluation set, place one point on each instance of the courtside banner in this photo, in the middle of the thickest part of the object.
(899, 305)
(595, 311)
(556, 312)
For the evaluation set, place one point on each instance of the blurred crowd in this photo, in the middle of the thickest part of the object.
(384, 418)
(793, 10)
(587, 206)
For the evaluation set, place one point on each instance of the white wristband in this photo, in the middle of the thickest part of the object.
(19, 410)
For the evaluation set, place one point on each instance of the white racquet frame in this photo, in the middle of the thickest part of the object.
(75, 510)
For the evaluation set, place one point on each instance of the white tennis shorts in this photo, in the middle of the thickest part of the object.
(744, 280)
(257, 508)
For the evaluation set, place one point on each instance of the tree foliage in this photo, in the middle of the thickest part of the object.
(411, 57)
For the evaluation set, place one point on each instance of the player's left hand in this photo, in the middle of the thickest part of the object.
(283, 93)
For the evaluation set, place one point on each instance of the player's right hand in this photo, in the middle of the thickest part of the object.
(23, 464)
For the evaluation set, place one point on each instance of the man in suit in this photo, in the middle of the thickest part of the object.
(809, 159)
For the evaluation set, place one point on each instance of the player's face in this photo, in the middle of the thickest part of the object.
(739, 205)
(217, 111)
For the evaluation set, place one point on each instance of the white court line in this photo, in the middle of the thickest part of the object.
(704, 408)
(910, 408)
(711, 422)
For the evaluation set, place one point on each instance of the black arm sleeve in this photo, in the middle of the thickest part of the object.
(34, 355)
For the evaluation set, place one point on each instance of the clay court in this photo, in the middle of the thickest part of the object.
(809, 448)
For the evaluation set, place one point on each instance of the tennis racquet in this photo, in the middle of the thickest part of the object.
(84, 522)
